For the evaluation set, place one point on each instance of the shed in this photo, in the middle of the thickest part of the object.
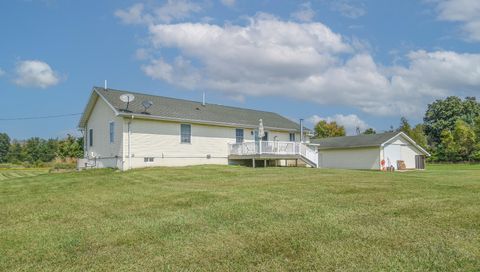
(368, 151)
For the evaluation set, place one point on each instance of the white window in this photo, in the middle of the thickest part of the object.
(90, 137)
(292, 137)
(112, 132)
(185, 133)
(148, 159)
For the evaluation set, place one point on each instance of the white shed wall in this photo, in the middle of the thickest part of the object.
(400, 149)
(352, 158)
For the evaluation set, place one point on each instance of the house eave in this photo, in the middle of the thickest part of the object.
(201, 122)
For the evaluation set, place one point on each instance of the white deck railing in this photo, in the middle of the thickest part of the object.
(274, 148)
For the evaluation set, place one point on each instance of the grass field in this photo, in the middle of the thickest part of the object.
(234, 218)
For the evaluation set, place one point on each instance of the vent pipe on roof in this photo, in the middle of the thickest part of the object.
(203, 99)
(105, 84)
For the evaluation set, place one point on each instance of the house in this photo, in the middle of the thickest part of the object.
(375, 151)
(128, 130)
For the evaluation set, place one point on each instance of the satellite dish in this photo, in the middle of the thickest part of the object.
(127, 98)
(147, 104)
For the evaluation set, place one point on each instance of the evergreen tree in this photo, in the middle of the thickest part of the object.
(4, 147)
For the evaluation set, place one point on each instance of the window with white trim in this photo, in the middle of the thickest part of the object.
(111, 126)
(185, 133)
(292, 137)
(148, 159)
(239, 135)
(90, 137)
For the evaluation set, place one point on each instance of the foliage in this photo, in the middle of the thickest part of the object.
(369, 131)
(324, 129)
(4, 147)
(443, 114)
(36, 151)
(70, 147)
(416, 133)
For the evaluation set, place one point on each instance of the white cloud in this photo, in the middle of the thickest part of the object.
(305, 13)
(305, 61)
(35, 73)
(2, 72)
(466, 12)
(172, 10)
(228, 3)
(348, 9)
(133, 15)
(351, 122)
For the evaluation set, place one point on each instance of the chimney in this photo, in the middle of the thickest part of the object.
(203, 100)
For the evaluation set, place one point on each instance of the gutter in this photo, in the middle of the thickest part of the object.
(195, 121)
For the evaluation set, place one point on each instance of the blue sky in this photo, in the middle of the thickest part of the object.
(361, 63)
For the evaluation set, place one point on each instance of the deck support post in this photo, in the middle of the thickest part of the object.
(296, 162)
(264, 163)
(253, 162)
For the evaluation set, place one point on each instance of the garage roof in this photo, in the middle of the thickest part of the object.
(363, 140)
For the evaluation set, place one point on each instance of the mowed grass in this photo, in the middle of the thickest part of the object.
(9, 173)
(228, 218)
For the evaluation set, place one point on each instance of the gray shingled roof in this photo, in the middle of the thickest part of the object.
(179, 109)
(354, 141)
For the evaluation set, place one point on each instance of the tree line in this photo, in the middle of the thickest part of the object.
(36, 150)
(450, 130)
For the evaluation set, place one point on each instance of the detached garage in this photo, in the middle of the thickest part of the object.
(375, 151)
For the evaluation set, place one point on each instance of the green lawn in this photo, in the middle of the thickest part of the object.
(235, 218)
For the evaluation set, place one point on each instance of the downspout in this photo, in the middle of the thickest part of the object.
(85, 139)
(129, 143)
(301, 130)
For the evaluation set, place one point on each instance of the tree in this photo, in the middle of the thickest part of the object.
(70, 147)
(418, 135)
(4, 147)
(405, 126)
(443, 114)
(40, 150)
(17, 152)
(325, 129)
(447, 149)
(465, 139)
(369, 131)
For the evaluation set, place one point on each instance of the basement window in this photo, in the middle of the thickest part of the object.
(148, 159)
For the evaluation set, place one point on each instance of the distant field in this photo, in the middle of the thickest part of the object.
(234, 218)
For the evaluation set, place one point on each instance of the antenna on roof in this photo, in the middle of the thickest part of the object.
(146, 104)
(127, 98)
(105, 84)
(203, 100)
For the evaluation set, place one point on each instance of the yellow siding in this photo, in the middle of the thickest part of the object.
(102, 149)
(161, 140)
